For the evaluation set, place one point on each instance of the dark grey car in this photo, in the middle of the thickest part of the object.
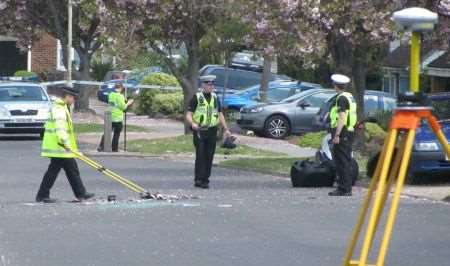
(291, 116)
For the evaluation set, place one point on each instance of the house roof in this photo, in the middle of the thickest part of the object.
(441, 62)
(399, 58)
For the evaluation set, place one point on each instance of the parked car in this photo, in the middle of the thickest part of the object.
(240, 77)
(24, 108)
(133, 78)
(374, 102)
(290, 116)
(428, 156)
(277, 91)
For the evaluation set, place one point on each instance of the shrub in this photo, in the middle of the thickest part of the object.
(383, 119)
(160, 79)
(100, 69)
(312, 140)
(24, 73)
(152, 101)
(170, 104)
(373, 131)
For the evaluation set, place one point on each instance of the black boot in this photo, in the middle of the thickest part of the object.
(46, 200)
(86, 196)
(339, 192)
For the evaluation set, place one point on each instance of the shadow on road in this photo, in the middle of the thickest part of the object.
(433, 179)
(18, 138)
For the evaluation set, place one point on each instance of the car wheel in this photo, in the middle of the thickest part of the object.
(354, 171)
(259, 133)
(372, 165)
(277, 127)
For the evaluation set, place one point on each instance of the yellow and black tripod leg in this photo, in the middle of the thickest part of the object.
(123, 181)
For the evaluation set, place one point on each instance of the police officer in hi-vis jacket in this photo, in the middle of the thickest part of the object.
(59, 141)
(204, 115)
(343, 119)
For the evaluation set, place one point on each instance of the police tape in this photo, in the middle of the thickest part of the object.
(111, 84)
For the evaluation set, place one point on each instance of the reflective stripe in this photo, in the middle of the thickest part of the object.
(206, 114)
(350, 114)
(56, 151)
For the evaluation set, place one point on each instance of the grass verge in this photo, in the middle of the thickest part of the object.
(271, 165)
(97, 128)
(183, 144)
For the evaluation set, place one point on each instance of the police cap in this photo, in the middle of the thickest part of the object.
(340, 79)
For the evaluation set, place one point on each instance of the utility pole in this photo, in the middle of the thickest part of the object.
(69, 45)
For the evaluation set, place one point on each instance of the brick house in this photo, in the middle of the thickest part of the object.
(43, 56)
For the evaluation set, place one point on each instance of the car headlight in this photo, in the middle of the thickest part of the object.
(44, 113)
(4, 112)
(110, 86)
(426, 146)
(256, 110)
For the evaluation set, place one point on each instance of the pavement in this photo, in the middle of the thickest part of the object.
(161, 128)
(244, 219)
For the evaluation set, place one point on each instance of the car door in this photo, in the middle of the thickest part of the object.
(307, 108)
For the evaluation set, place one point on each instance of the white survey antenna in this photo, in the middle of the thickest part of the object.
(415, 19)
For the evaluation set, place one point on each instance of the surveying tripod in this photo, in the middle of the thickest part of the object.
(392, 165)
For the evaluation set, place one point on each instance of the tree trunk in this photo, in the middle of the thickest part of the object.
(82, 103)
(359, 72)
(191, 86)
(265, 77)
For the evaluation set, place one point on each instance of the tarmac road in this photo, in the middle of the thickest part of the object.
(244, 219)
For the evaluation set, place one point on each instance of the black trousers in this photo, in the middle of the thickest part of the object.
(117, 128)
(73, 175)
(205, 147)
(342, 157)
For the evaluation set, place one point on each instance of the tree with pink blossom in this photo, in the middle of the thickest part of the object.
(51, 17)
(165, 26)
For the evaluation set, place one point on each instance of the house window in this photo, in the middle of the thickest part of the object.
(386, 84)
(403, 84)
(60, 58)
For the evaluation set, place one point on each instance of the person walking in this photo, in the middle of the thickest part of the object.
(204, 115)
(119, 105)
(343, 118)
(59, 140)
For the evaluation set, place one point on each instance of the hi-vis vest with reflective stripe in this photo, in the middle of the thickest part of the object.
(117, 102)
(350, 114)
(206, 114)
(59, 130)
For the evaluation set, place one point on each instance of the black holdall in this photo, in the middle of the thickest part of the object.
(306, 173)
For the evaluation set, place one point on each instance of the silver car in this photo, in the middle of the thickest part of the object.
(292, 115)
(24, 108)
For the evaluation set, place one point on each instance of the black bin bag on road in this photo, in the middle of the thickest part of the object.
(307, 173)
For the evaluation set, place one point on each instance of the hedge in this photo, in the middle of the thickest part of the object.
(152, 102)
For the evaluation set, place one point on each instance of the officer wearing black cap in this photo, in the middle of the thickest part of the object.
(59, 141)
(343, 119)
(204, 115)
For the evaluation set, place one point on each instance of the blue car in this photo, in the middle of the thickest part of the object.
(131, 78)
(239, 78)
(428, 156)
(277, 91)
(108, 87)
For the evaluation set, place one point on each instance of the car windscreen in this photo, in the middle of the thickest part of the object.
(239, 79)
(297, 96)
(278, 94)
(248, 90)
(22, 93)
(114, 75)
(441, 109)
(318, 99)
